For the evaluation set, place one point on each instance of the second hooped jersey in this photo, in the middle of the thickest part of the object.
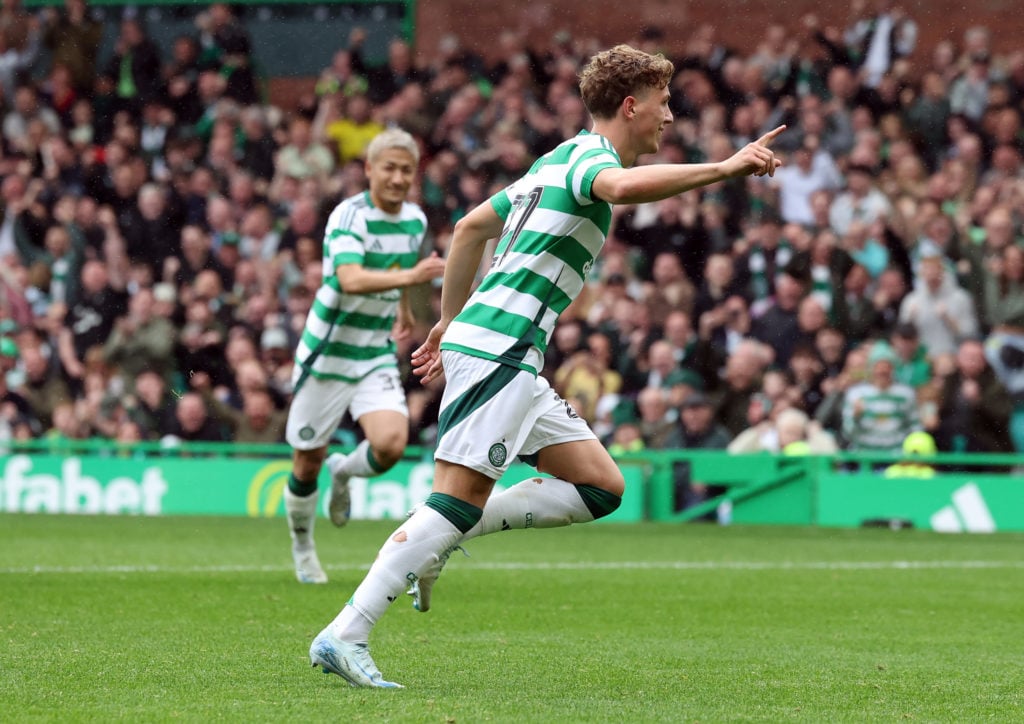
(554, 229)
(347, 336)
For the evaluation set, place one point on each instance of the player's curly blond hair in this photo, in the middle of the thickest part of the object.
(611, 75)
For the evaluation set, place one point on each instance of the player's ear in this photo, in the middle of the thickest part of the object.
(629, 106)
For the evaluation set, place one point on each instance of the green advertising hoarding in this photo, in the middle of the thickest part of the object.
(219, 486)
(949, 502)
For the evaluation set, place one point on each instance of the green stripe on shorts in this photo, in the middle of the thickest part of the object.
(475, 397)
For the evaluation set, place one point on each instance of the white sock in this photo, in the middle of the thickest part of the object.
(356, 463)
(532, 503)
(405, 556)
(301, 517)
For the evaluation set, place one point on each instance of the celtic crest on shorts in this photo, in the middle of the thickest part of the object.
(497, 454)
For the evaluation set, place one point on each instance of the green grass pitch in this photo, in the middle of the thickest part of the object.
(200, 619)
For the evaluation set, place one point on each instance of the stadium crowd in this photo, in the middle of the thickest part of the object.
(161, 226)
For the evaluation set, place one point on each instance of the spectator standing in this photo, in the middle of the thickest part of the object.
(1004, 287)
(718, 284)
(17, 54)
(231, 47)
(44, 389)
(913, 368)
(303, 222)
(942, 312)
(854, 310)
(777, 326)
(92, 314)
(677, 229)
(60, 259)
(181, 80)
(135, 66)
(890, 289)
(763, 254)
(879, 412)
(257, 422)
(813, 169)
(928, 117)
(384, 82)
(149, 230)
(741, 380)
(259, 147)
(195, 256)
(968, 93)
(201, 341)
(805, 374)
(670, 288)
(27, 109)
(302, 156)
(141, 340)
(15, 25)
(975, 408)
(861, 202)
(351, 130)
(720, 332)
(588, 376)
(679, 334)
(879, 39)
(73, 39)
(152, 407)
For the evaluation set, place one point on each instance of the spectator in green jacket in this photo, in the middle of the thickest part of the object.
(913, 367)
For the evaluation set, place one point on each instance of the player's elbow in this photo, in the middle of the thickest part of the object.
(351, 279)
(463, 228)
(476, 227)
(623, 188)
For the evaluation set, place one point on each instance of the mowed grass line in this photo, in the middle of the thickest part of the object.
(510, 639)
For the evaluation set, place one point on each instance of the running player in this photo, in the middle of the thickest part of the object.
(346, 356)
(551, 225)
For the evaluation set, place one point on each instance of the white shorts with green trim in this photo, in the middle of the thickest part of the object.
(319, 405)
(491, 412)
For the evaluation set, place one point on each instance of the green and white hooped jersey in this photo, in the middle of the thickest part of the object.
(347, 336)
(554, 228)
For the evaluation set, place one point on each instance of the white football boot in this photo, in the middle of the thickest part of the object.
(352, 662)
(307, 565)
(340, 505)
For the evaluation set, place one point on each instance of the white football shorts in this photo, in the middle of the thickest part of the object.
(491, 412)
(319, 405)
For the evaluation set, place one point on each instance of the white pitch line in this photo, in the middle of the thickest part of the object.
(575, 566)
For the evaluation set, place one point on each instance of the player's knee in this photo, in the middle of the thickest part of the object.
(388, 450)
(603, 496)
(611, 481)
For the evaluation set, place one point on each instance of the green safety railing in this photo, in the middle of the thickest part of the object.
(777, 488)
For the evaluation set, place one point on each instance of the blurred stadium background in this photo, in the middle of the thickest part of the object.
(168, 167)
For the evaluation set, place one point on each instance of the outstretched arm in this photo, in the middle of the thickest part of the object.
(642, 184)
